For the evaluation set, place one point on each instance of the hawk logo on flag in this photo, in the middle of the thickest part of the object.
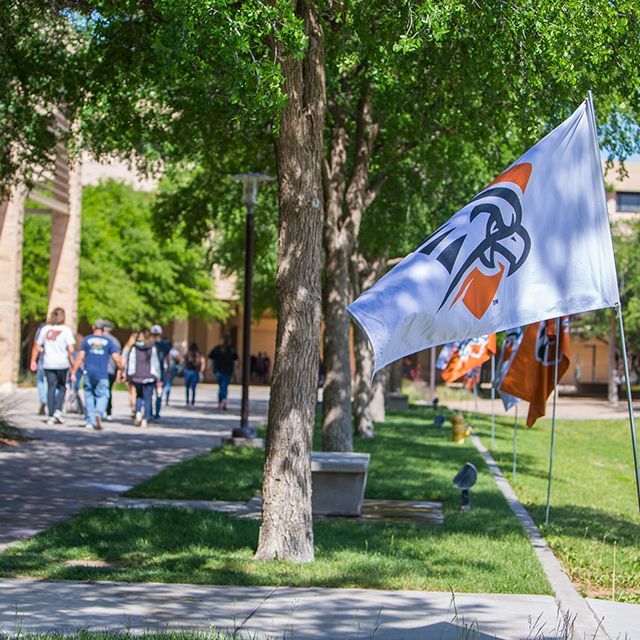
(502, 242)
(530, 375)
(467, 356)
(533, 244)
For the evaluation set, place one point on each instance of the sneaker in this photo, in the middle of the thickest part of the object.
(143, 424)
(108, 417)
(91, 427)
(98, 423)
(51, 421)
(43, 409)
(57, 416)
(138, 419)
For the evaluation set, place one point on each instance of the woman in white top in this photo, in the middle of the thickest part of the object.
(56, 342)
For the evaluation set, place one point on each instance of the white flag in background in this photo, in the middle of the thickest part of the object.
(534, 244)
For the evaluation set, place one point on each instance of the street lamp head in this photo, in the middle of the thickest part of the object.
(250, 185)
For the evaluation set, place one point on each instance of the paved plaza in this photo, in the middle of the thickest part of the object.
(66, 469)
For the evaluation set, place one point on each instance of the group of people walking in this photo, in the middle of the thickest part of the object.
(148, 364)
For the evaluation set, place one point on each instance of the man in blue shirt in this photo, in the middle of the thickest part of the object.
(95, 353)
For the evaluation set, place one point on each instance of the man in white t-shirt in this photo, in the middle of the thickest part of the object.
(56, 342)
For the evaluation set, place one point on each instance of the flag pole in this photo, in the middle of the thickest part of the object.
(553, 422)
(618, 310)
(475, 396)
(515, 445)
(632, 422)
(493, 401)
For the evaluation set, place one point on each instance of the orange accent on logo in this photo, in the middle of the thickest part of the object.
(477, 291)
(518, 174)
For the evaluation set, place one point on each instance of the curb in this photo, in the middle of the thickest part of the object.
(572, 604)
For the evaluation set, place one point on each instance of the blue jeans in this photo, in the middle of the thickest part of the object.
(144, 395)
(191, 379)
(96, 396)
(223, 380)
(168, 382)
(41, 383)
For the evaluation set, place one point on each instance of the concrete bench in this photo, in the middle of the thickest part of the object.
(395, 401)
(338, 481)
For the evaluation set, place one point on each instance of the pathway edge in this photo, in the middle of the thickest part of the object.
(587, 625)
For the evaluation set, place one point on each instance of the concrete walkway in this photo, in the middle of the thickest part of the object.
(568, 407)
(303, 614)
(67, 468)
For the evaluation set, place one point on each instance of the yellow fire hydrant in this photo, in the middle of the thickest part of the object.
(459, 429)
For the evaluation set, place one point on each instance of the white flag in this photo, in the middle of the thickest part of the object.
(534, 244)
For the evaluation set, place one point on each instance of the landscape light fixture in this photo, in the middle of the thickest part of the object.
(464, 480)
(249, 198)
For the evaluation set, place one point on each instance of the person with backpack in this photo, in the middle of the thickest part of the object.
(193, 370)
(56, 342)
(145, 373)
(96, 352)
(223, 357)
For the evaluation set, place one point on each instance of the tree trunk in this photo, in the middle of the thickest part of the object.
(287, 527)
(377, 407)
(341, 232)
(395, 377)
(364, 274)
(336, 395)
(363, 390)
(613, 372)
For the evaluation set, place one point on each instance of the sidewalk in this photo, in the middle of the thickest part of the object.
(568, 408)
(67, 468)
(303, 614)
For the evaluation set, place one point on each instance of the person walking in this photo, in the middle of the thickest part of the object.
(122, 373)
(223, 357)
(41, 381)
(163, 346)
(96, 351)
(194, 365)
(113, 367)
(56, 342)
(172, 369)
(143, 370)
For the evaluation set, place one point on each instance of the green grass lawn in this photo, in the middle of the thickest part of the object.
(593, 501)
(484, 550)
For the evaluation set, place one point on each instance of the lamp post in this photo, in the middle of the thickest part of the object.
(249, 197)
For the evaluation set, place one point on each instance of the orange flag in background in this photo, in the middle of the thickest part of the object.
(470, 354)
(530, 376)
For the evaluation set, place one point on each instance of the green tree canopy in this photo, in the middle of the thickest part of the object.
(127, 274)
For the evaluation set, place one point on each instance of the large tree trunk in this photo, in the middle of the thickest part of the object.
(341, 231)
(363, 389)
(377, 406)
(287, 527)
(363, 275)
(336, 394)
(613, 372)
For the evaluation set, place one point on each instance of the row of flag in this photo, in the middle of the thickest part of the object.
(526, 368)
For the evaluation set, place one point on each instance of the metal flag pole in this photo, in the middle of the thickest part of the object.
(618, 310)
(632, 422)
(553, 422)
(493, 401)
(515, 446)
(475, 396)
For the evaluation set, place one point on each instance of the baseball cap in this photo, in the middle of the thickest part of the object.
(99, 324)
(156, 329)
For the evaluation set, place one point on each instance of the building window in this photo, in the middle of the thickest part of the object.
(628, 202)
